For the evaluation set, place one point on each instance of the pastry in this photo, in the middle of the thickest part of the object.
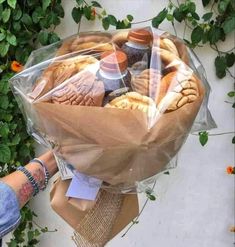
(120, 38)
(167, 44)
(94, 43)
(146, 82)
(83, 89)
(177, 89)
(58, 72)
(134, 101)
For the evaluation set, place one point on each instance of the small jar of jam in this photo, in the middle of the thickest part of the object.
(113, 72)
(138, 47)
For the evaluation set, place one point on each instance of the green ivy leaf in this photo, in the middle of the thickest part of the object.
(6, 15)
(196, 35)
(96, 4)
(157, 20)
(53, 37)
(13, 243)
(207, 16)
(26, 19)
(12, 3)
(4, 87)
(45, 4)
(79, 2)
(77, 14)
(192, 7)
(203, 137)
(4, 47)
(87, 12)
(214, 34)
(17, 13)
(2, 36)
(130, 18)
(105, 23)
(43, 37)
(11, 39)
(1, 1)
(123, 24)
(196, 16)
(4, 102)
(222, 6)
(230, 59)
(229, 24)
(4, 129)
(58, 9)
(231, 94)
(233, 140)
(220, 66)
(169, 17)
(5, 153)
(112, 20)
(205, 2)
(179, 15)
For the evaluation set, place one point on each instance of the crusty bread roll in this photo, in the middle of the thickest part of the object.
(146, 82)
(167, 44)
(58, 72)
(93, 42)
(176, 89)
(120, 37)
(82, 89)
(133, 101)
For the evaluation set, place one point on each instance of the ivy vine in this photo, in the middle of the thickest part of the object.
(24, 25)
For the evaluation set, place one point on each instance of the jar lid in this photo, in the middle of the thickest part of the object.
(113, 61)
(140, 36)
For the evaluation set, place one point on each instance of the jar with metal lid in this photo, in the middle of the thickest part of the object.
(114, 73)
(137, 48)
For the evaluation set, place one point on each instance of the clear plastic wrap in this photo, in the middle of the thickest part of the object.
(117, 105)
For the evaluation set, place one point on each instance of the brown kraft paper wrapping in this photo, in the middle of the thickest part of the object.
(95, 222)
(115, 145)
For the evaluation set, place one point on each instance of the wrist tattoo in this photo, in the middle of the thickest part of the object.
(26, 191)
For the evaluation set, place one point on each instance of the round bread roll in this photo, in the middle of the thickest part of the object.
(134, 101)
(176, 89)
(146, 82)
(58, 72)
(167, 44)
(83, 89)
(82, 43)
(120, 38)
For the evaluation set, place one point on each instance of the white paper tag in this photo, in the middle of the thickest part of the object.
(83, 187)
(65, 173)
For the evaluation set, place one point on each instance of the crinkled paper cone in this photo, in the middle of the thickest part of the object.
(116, 145)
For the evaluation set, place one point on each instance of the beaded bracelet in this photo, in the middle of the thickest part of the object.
(30, 178)
(46, 173)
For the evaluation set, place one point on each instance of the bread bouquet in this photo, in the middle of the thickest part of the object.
(116, 106)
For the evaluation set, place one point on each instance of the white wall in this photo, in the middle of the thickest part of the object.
(195, 207)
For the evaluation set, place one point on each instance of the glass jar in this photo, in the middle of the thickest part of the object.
(114, 74)
(137, 48)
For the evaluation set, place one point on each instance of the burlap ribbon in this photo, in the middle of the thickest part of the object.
(95, 223)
